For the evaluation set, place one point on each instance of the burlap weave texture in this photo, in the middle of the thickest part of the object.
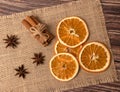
(40, 79)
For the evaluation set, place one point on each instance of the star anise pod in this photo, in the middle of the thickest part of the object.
(38, 58)
(21, 71)
(11, 41)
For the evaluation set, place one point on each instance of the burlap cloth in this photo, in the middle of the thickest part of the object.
(40, 78)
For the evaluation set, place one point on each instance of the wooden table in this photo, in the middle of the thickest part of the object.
(111, 9)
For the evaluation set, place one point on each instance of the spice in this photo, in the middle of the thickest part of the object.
(38, 30)
(21, 71)
(38, 58)
(11, 41)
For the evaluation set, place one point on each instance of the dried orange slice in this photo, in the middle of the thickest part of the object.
(64, 66)
(60, 48)
(94, 57)
(72, 31)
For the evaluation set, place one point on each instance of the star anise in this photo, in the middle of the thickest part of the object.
(11, 41)
(21, 71)
(38, 58)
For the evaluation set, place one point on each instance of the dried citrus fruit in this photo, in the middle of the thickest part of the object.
(64, 66)
(94, 57)
(60, 48)
(72, 31)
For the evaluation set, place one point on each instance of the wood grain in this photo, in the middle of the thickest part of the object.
(111, 9)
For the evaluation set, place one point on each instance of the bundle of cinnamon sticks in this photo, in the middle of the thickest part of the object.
(38, 30)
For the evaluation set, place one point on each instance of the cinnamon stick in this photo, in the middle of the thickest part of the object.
(26, 24)
(30, 20)
(34, 19)
(38, 30)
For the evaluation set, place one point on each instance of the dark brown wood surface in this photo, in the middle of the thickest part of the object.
(111, 9)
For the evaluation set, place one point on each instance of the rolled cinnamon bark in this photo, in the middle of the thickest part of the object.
(26, 24)
(34, 19)
(31, 21)
(38, 30)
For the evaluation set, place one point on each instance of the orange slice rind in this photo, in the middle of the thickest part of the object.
(64, 66)
(72, 31)
(60, 48)
(94, 57)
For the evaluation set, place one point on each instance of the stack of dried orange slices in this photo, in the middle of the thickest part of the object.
(71, 50)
